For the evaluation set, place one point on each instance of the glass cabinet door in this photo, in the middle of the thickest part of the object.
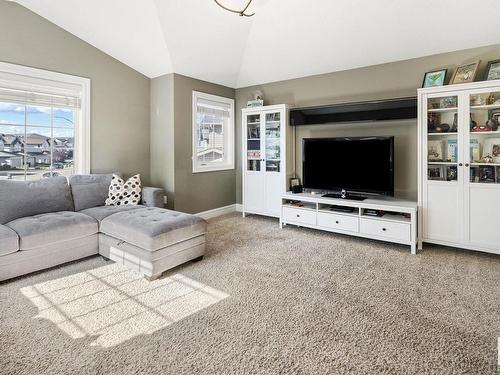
(484, 138)
(253, 143)
(442, 138)
(272, 141)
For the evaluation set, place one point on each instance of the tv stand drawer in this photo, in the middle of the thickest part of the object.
(299, 215)
(340, 222)
(386, 229)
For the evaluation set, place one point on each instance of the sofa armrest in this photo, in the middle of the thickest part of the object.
(153, 197)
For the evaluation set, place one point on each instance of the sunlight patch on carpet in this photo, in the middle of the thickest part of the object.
(113, 304)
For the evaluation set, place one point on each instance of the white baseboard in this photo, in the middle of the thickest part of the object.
(218, 211)
(239, 207)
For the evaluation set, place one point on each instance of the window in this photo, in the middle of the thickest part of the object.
(213, 133)
(44, 123)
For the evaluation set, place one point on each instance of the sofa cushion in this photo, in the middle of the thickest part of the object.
(90, 190)
(102, 212)
(27, 198)
(9, 241)
(42, 230)
(153, 228)
(123, 192)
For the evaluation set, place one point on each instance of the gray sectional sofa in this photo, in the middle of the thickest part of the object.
(57, 220)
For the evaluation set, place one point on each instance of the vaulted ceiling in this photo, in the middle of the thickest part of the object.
(285, 39)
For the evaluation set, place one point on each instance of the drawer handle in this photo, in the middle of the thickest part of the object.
(384, 229)
(336, 221)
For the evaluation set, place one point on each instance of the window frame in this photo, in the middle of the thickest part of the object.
(229, 145)
(81, 145)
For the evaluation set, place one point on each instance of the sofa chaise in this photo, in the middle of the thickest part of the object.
(57, 220)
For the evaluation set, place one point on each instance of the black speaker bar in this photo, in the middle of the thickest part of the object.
(380, 110)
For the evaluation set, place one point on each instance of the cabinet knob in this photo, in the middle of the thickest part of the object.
(298, 215)
(466, 164)
(460, 164)
(336, 221)
(384, 229)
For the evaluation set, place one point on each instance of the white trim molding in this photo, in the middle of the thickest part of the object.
(39, 77)
(218, 211)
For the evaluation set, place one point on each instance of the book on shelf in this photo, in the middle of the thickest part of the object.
(452, 150)
(475, 154)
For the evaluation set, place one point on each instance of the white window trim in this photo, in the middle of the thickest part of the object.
(82, 129)
(230, 136)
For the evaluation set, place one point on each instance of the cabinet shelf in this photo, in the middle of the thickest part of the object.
(389, 217)
(441, 163)
(485, 106)
(485, 133)
(451, 109)
(254, 139)
(442, 133)
(485, 164)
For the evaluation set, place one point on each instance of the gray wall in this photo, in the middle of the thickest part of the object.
(171, 147)
(197, 192)
(120, 102)
(163, 136)
(390, 80)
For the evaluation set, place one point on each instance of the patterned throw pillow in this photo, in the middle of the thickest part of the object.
(124, 192)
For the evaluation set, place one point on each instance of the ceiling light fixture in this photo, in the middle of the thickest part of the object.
(226, 4)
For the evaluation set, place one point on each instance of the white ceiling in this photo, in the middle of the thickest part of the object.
(285, 39)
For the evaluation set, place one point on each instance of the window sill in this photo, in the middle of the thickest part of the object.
(213, 168)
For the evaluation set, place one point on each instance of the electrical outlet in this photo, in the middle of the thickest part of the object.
(165, 199)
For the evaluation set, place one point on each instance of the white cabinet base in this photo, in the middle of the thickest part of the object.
(315, 214)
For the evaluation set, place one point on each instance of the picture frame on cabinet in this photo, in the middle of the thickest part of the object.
(435, 150)
(253, 133)
(436, 173)
(434, 78)
(492, 70)
(465, 73)
(487, 174)
(451, 173)
(492, 147)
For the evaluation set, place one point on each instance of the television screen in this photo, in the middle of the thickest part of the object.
(364, 164)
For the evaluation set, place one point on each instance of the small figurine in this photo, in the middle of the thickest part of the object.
(492, 124)
(473, 124)
(442, 128)
(487, 159)
(491, 99)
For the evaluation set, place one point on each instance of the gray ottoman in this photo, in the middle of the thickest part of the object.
(152, 240)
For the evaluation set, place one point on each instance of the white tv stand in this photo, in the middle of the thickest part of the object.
(313, 211)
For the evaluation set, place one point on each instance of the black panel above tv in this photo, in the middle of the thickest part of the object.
(380, 110)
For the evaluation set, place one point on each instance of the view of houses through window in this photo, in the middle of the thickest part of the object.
(213, 132)
(36, 141)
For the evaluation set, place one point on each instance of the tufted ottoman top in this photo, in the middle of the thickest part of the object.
(153, 228)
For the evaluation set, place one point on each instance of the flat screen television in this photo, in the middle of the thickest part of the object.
(355, 164)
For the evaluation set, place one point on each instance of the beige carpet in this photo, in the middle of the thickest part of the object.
(263, 301)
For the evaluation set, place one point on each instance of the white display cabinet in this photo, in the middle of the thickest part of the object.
(265, 149)
(459, 165)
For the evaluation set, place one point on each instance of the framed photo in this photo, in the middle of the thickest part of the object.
(294, 182)
(492, 70)
(465, 73)
(434, 78)
(492, 148)
(435, 150)
(436, 173)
